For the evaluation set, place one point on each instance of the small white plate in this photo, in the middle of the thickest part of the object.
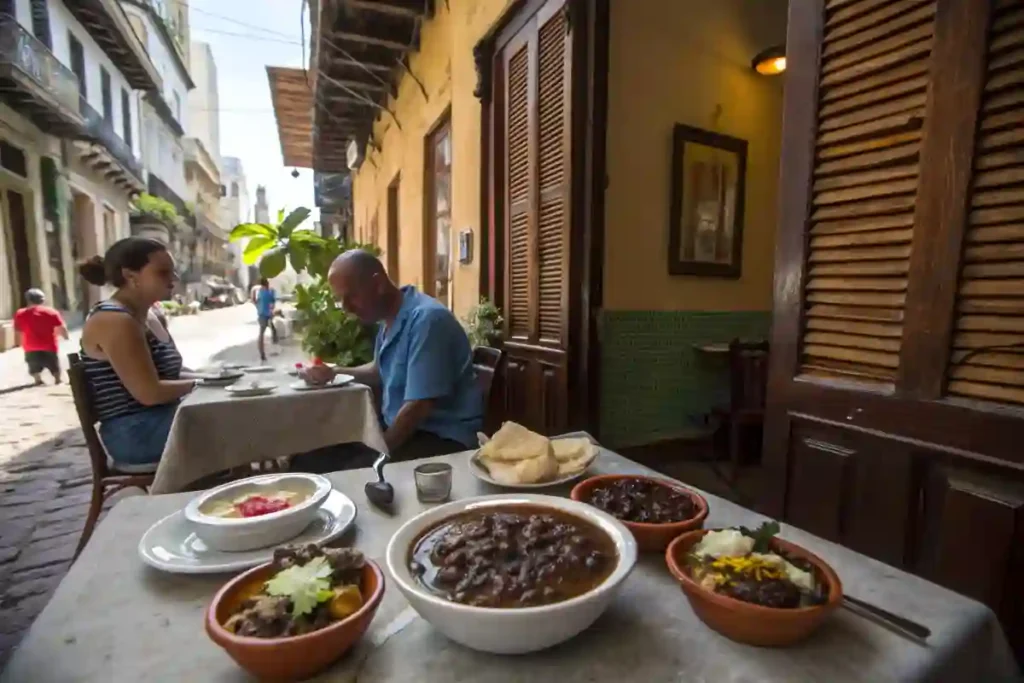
(242, 390)
(338, 381)
(481, 473)
(257, 368)
(171, 545)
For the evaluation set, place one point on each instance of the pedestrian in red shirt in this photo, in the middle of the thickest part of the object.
(39, 326)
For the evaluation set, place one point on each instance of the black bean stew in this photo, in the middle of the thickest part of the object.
(640, 500)
(512, 556)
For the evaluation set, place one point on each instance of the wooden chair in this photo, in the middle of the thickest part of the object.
(106, 481)
(487, 363)
(748, 382)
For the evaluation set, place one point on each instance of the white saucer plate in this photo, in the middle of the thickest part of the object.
(171, 545)
(255, 369)
(481, 473)
(339, 381)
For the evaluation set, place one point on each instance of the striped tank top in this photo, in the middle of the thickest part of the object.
(110, 396)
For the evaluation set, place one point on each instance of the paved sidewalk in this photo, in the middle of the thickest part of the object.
(45, 476)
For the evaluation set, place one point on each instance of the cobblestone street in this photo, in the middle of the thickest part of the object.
(45, 477)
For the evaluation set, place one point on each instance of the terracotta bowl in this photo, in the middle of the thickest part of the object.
(298, 657)
(649, 537)
(748, 623)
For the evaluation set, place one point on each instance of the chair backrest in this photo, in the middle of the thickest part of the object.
(86, 414)
(748, 374)
(487, 363)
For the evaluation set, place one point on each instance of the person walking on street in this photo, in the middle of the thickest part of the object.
(38, 325)
(265, 301)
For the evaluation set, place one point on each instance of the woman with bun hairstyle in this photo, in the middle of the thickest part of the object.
(131, 363)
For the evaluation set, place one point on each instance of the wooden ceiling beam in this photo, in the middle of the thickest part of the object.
(329, 61)
(363, 37)
(410, 9)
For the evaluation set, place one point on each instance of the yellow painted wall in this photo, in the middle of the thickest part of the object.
(444, 64)
(687, 61)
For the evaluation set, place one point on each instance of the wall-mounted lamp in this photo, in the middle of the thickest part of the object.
(771, 62)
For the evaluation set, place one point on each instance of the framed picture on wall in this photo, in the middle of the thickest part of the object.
(706, 216)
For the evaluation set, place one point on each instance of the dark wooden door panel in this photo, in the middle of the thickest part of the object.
(819, 475)
(854, 489)
(894, 414)
(973, 532)
(535, 392)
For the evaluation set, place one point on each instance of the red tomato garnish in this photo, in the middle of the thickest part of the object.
(317, 361)
(255, 506)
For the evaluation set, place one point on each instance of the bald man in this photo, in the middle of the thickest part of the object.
(423, 363)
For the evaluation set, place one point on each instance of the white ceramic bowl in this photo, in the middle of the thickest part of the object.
(515, 630)
(240, 534)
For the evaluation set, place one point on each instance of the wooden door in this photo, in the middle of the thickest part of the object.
(532, 100)
(896, 390)
(17, 221)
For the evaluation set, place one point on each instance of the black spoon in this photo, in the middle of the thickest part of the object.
(379, 492)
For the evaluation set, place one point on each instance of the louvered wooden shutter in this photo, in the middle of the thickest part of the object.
(553, 209)
(872, 91)
(990, 303)
(538, 134)
(519, 196)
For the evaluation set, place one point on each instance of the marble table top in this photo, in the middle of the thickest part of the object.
(115, 619)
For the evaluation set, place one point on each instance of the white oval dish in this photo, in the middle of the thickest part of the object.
(171, 545)
(247, 533)
(516, 630)
(338, 381)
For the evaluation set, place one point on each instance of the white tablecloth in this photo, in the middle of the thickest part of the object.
(215, 431)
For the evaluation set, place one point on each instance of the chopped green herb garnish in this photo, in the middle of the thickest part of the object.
(306, 585)
(762, 535)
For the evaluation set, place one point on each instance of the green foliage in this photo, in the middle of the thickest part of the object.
(156, 208)
(305, 585)
(762, 535)
(328, 332)
(274, 246)
(483, 323)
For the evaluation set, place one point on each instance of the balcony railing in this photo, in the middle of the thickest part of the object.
(99, 130)
(22, 50)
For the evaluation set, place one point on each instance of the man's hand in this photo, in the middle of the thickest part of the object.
(317, 374)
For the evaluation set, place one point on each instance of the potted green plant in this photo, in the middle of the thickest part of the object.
(153, 217)
(484, 323)
(328, 333)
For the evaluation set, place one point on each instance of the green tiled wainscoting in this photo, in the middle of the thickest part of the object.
(654, 384)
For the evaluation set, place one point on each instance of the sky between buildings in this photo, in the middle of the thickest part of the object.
(246, 36)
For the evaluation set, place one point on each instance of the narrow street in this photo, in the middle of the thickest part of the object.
(45, 476)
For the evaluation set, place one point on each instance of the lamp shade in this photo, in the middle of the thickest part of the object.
(770, 62)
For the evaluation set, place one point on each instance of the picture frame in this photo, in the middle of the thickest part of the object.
(707, 200)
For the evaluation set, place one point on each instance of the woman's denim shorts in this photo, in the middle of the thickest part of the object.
(138, 438)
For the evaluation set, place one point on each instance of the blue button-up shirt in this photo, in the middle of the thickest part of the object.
(426, 355)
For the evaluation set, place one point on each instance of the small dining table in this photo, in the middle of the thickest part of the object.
(115, 619)
(214, 431)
